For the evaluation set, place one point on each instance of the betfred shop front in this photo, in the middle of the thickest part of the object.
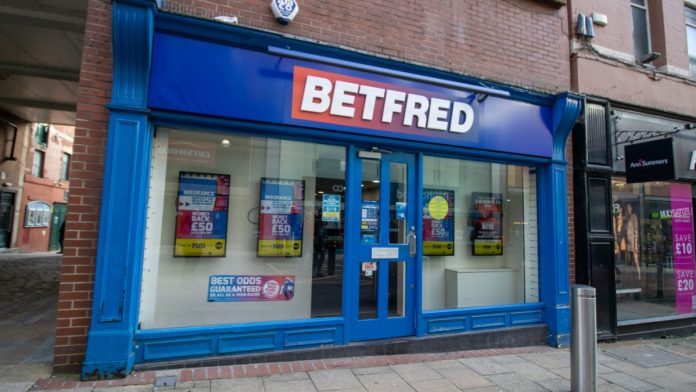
(289, 196)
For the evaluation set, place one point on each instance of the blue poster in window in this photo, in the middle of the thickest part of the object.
(331, 208)
(369, 222)
(281, 217)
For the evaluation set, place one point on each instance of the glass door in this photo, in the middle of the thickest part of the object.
(384, 245)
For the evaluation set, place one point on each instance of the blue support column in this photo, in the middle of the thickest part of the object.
(110, 342)
(553, 223)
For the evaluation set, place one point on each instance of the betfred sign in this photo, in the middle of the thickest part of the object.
(212, 79)
(650, 161)
(344, 100)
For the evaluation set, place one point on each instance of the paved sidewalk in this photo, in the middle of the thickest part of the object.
(651, 365)
(28, 296)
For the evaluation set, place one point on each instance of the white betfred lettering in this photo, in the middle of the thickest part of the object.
(416, 106)
(459, 108)
(392, 104)
(371, 94)
(437, 117)
(316, 88)
(341, 98)
(692, 162)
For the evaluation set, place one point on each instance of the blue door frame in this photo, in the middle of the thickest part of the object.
(383, 300)
(114, 341)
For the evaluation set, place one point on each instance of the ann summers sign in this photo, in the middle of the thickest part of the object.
(650, 161)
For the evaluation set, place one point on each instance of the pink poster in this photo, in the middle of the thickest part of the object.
(683, 247)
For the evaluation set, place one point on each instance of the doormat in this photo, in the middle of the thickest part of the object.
(647, 356)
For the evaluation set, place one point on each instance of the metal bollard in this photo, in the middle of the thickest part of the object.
(583, 339)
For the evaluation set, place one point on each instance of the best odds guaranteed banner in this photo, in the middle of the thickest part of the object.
(438, 222)
(281, 218)
(239, 288)
(683, 248)
(201, 214)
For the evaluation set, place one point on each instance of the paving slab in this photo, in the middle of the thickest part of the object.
(629, 382)
(285, 386)
(329, 380)
(440, 385)
(485, 366)
(673, 384)
(254, 384)
(515, 383)
(549, 360)
(464, 378)
(372, 370)
(384, 382)
(647, 356)
(556, 384)
(416, 372)
(531, 371)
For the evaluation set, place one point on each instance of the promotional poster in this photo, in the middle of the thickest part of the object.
(330, 208)
(682, 243)
(486, 224)
(281, 218)
(369, 222)
(239, 288)
(438, 222)
(201, 215)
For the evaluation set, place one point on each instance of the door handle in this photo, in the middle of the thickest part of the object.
(411, 240)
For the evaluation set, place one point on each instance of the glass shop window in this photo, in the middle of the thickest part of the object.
(479, 234)
(242, 229)
(653, 249)
(37, 214)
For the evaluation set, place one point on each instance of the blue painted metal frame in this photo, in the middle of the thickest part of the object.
(115, 343)
(111, 336)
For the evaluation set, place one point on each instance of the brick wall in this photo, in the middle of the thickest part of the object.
(87, 171)
(519, 42)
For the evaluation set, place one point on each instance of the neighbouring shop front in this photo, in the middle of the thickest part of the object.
(640, 180)
(283, 195)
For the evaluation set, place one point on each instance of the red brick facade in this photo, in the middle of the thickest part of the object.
(519, 42)
(87, 172)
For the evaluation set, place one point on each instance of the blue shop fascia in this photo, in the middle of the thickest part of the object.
(264, 194)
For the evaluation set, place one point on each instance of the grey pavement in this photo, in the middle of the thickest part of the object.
(28, 298)
(28, 291)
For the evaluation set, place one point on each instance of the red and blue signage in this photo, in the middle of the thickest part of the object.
(281, 218)
(201, 214)
(241, 288)
(216, 80)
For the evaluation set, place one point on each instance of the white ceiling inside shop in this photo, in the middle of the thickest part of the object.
(40, 50)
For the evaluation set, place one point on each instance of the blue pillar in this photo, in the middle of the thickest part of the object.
(110, 342)
(553, 223)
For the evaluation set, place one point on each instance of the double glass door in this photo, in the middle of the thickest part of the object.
(383, 245)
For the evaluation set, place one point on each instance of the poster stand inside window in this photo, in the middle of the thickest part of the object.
(486, 224)
(202, 215)
(281, 217)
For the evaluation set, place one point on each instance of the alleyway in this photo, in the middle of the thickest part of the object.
(28, 297)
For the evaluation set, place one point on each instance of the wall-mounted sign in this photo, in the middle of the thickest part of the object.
(650, 161)
(201, 214)
(259, 86)
(281, 213)
(438, 222)
(238, 288)
(486, 224)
